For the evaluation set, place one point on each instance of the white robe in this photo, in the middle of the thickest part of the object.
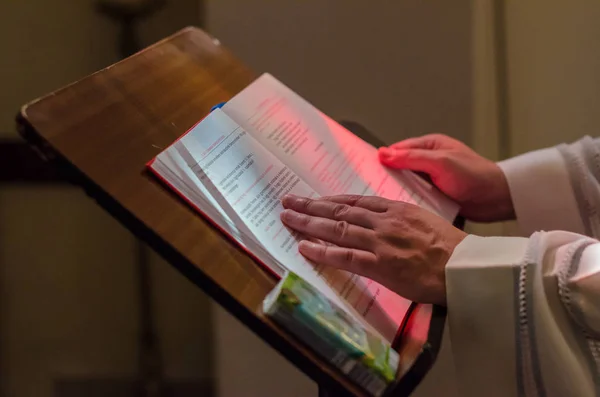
(524, 312)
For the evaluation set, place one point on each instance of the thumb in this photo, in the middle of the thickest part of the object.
(422, 160)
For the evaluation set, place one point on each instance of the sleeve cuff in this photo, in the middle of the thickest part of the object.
(480, 279)
(475, 251)
(584, 287)
(541, 192)
(477, 274)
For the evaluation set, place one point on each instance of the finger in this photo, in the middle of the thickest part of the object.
(330, 210)
(351, 260)
(426, 142)
(339, 233)
(371, 203)
(427, 161)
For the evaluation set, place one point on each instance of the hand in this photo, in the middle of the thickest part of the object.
(478, 185)
(399, 245)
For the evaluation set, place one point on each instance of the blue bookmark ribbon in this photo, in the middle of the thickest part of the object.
(218, 106)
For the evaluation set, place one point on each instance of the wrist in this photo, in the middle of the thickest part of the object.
(502, 200)
(489, 200)
(453, 240)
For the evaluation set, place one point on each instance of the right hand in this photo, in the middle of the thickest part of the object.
(477, 184)
(402, 246)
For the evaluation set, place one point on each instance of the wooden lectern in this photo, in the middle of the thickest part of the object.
(102, 130)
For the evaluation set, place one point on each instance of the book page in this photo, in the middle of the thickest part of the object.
(172, 167)
(322, 152)
(249, 181)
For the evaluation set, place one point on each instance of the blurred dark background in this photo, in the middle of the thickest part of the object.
(86, 311)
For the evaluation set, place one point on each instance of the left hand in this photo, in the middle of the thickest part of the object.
(477, 184)
(399, 245)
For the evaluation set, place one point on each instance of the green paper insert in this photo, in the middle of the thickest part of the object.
(366, 358)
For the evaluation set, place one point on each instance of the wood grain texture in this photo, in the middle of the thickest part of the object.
(103, 130)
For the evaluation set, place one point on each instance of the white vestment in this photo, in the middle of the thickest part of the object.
(524, 312)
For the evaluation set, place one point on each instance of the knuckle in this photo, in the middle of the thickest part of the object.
(349, 256)
(341, 229)
(446, 163)
(395, 227)
(443, 158)
(362, 200)
(354, 198)
(438, 157)
(305, 220)
(322, 252)
(398, 208)
(387, 257)
(411, 155)
(382, 232)
(398, 225)
(437, 136)
(394, 256)
(381, 256)
(307, 204)
(340, 211)
(434, 140)
(383, 203)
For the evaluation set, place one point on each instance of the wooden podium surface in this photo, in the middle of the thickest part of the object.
(102, 130)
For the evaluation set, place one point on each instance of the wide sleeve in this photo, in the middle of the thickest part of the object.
(557, 188)
(524, 315)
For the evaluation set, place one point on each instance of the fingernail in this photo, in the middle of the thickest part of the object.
(286, 198)
(306, 245)
(288, 216)
(291, 199)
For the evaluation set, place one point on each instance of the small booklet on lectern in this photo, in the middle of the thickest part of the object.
(234, 165)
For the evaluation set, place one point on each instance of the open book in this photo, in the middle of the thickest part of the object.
(235, 165)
